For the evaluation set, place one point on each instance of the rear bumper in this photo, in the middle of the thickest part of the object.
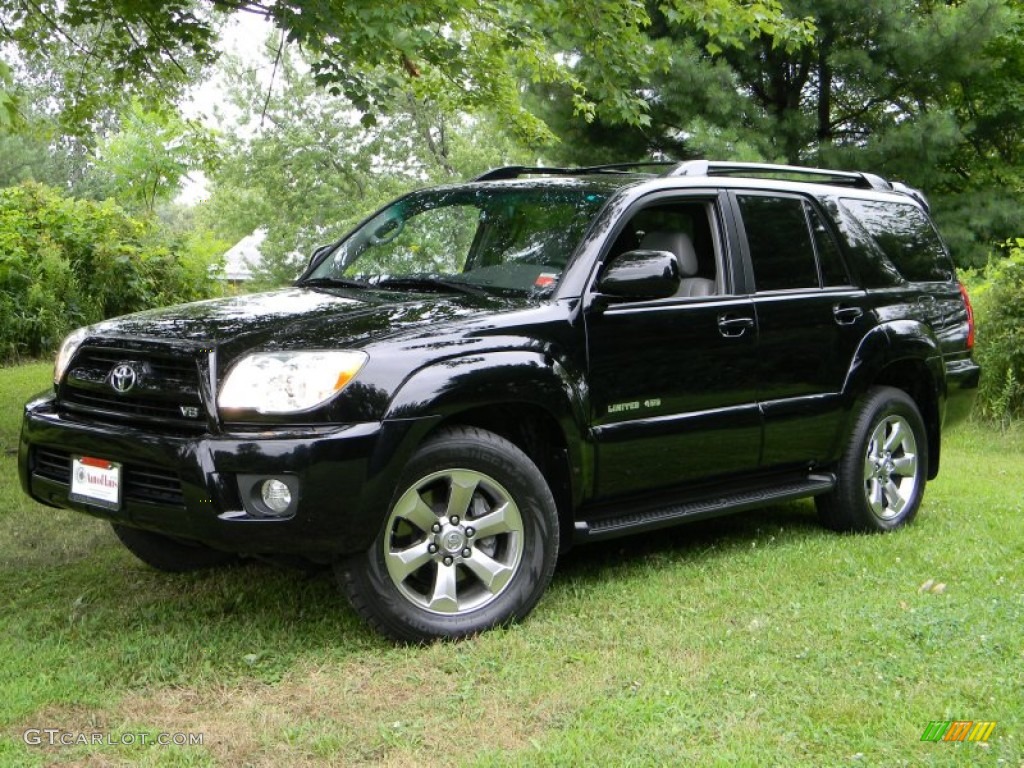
(188, 487)
(962, 377)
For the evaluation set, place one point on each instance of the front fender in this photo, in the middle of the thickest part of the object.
(444, 389)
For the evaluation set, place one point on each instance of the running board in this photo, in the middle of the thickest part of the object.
(610, 527)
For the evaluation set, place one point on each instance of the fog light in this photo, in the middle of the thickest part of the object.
(276, 495)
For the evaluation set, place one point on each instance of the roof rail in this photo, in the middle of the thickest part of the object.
(515, 171)
(794, 172)
(917, 194)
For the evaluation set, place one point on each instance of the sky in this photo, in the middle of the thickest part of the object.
(243, 36)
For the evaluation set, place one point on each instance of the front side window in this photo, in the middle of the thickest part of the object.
(508, 239)
(781, 250)
(688, 229)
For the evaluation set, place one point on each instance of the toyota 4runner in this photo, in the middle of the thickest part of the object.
(482, 374)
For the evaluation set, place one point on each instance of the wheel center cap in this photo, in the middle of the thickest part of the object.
(453, 540)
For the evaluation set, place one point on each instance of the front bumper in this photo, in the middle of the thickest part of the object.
(187, 486)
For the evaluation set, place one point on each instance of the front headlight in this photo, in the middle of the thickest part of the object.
(67, 350)
(286, 382)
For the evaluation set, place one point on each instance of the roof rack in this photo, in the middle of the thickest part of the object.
(697, 168)
(793, 172)
(515, 171)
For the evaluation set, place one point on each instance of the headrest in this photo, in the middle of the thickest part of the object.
(678, 243)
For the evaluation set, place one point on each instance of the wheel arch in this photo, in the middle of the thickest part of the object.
(904, 355)
(915, 377)
(525, 396)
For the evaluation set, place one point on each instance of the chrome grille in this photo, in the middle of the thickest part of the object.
(164, 394)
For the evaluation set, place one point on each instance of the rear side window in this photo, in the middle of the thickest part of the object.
(905, 236)
(781, 249)
(833, 271)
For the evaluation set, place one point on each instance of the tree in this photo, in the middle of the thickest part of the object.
(921, 91)
(8, 100)
(85, 61)
(301, 164)
(474, 53)
(145, 161)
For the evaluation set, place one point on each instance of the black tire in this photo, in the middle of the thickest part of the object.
(430, 573)
(170, 555)
(883, 469)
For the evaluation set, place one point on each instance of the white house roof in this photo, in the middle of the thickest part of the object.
(243, 256)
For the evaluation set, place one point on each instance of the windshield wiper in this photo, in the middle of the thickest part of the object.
(332, 282)
(428, 281)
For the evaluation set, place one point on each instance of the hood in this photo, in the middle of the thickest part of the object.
(299, 318)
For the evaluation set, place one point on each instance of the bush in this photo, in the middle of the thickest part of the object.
(65, 263)
(997, 294)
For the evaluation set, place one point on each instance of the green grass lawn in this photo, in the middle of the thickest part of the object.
(759, 639)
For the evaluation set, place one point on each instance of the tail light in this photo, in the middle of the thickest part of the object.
(970, 317)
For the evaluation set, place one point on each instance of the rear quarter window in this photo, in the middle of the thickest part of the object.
(906, 237)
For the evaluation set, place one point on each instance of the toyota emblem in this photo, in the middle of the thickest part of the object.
(123, 377)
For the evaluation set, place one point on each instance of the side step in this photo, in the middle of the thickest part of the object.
(662, 517)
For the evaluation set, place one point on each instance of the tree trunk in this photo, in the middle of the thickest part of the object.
(824, 94)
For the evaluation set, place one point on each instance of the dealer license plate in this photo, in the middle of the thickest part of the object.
(96, 481)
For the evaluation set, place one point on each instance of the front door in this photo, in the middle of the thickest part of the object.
(673, 386)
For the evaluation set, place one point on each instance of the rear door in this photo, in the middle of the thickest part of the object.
(810, 319)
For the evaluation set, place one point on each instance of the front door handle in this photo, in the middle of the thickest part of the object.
(846, 315)
(734, 325)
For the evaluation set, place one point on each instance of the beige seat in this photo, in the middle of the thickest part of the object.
(680, 244)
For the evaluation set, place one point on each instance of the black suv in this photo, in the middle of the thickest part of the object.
(482, 374)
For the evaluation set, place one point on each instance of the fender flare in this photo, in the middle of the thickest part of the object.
(890, 343)
(447, 387)
(894, 343)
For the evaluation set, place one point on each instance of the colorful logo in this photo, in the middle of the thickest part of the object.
(958, 730)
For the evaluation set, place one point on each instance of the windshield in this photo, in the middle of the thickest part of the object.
(493, 240)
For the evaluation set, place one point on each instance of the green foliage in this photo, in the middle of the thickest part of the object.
(65, 263)
(303, 166)
(927, 93)
(471, 54)
(997, 294)
(145, 161)
(8, 100)
(83, 61)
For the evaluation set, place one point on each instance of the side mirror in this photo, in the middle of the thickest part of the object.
(641, 275)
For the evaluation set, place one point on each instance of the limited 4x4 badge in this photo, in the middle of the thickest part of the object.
(635, 405)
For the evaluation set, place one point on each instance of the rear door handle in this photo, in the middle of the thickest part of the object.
(734, 325)
(846, 315)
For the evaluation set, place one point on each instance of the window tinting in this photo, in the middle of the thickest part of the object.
(907, 238)
(833, 272)
(780, 242)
